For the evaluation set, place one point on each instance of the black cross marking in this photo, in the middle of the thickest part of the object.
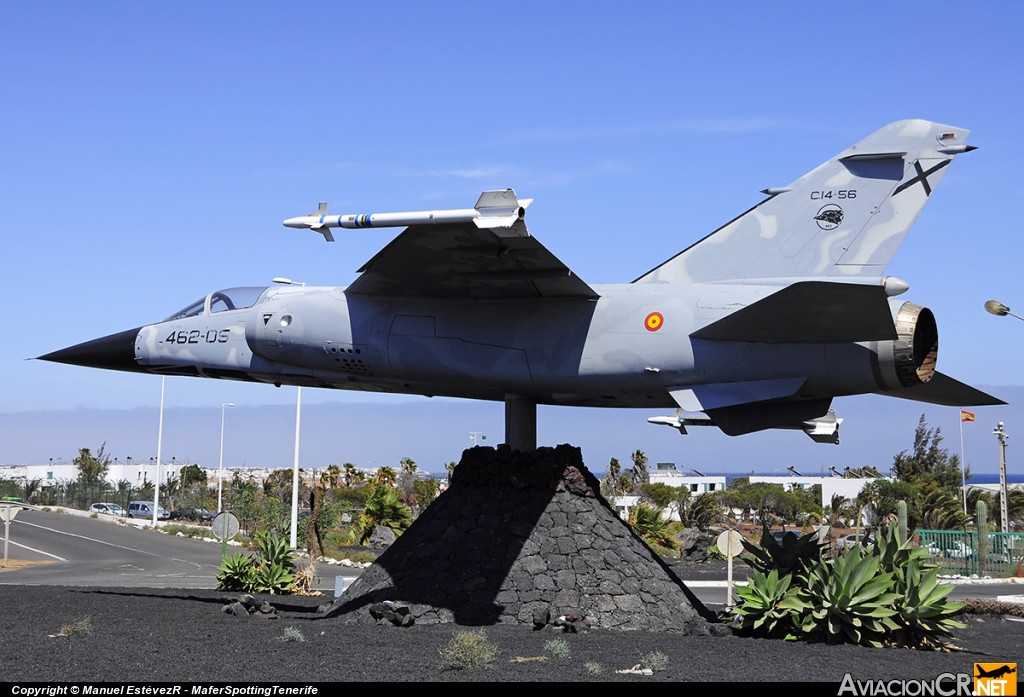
(922, 177)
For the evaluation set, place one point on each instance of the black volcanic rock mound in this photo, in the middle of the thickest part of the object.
(520, 535)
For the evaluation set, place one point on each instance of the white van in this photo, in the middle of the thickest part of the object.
(144, 509)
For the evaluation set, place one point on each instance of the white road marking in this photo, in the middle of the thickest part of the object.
(109, 544)
(38, 551)
(83, 537)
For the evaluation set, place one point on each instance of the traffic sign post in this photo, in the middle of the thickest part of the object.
(730, 543)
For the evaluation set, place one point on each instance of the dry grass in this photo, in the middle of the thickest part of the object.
(81, 627)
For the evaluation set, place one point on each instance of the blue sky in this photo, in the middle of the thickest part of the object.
(151, 151)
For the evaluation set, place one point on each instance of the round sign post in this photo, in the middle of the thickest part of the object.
(8, 510)
(730, 543)
(224, 526)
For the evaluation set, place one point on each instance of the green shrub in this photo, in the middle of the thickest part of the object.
(656, 661)
(559, 648)
(292, 634)
(468, 650)
(81, 626)
(362, 557)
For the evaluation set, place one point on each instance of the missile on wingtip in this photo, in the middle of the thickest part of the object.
(680, 420)
(493, 209)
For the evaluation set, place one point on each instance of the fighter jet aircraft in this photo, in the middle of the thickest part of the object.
(758, 325)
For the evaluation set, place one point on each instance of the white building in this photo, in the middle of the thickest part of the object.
(666, 473)
(848, 487)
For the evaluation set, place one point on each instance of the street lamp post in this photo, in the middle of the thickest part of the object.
(220, 470)
(1000, 310)
(997, 308)
(1004, 511)
(159, 451)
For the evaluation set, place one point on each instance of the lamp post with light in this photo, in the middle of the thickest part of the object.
(293, 537)
(997, 308)
(1000, 310)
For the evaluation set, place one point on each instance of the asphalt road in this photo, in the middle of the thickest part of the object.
(77, 550)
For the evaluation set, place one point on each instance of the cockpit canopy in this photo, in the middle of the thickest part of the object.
(222, 301)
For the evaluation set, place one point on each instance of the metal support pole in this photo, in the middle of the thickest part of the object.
(963, 463)
(295, 472)
(520, 423)
(220, 469)
(159, 451)
(1004, 511)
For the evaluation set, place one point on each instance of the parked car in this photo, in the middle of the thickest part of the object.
(108, 509)
(960, 550)
(780, 535)
(144, 509)
(850, 541)
(198, 515)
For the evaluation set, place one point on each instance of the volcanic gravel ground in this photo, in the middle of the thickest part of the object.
(182, 635)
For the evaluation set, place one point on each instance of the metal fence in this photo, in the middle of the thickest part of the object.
(998, 554)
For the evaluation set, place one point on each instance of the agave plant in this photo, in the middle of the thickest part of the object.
(769, 606)
(236, 573)
(794, 554)
(850, 600)
(924, 614)
(894, 554)
(269, 572)
(273, 550)
(274, 579)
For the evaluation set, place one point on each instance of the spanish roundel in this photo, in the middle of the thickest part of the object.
(654, 321)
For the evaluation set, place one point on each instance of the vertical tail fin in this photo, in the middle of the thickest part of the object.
(846, 218)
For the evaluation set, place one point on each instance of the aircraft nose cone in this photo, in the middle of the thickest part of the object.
(114, 352)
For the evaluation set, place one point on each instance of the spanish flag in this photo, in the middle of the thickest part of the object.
(966, 416)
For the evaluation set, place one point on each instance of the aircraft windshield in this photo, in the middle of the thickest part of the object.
(235, 298)
(192, 310)
(222, 301)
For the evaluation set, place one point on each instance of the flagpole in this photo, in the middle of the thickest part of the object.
(963, 477)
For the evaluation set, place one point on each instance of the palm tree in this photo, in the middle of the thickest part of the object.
(383, 507)
(408, 465)
(639, 473)
(941, 511)
(646, 521)
(124, 492)
(351, 475)
(31, 489)
(332, 476)
(386, 476)
(702, 511)
(611, 477)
